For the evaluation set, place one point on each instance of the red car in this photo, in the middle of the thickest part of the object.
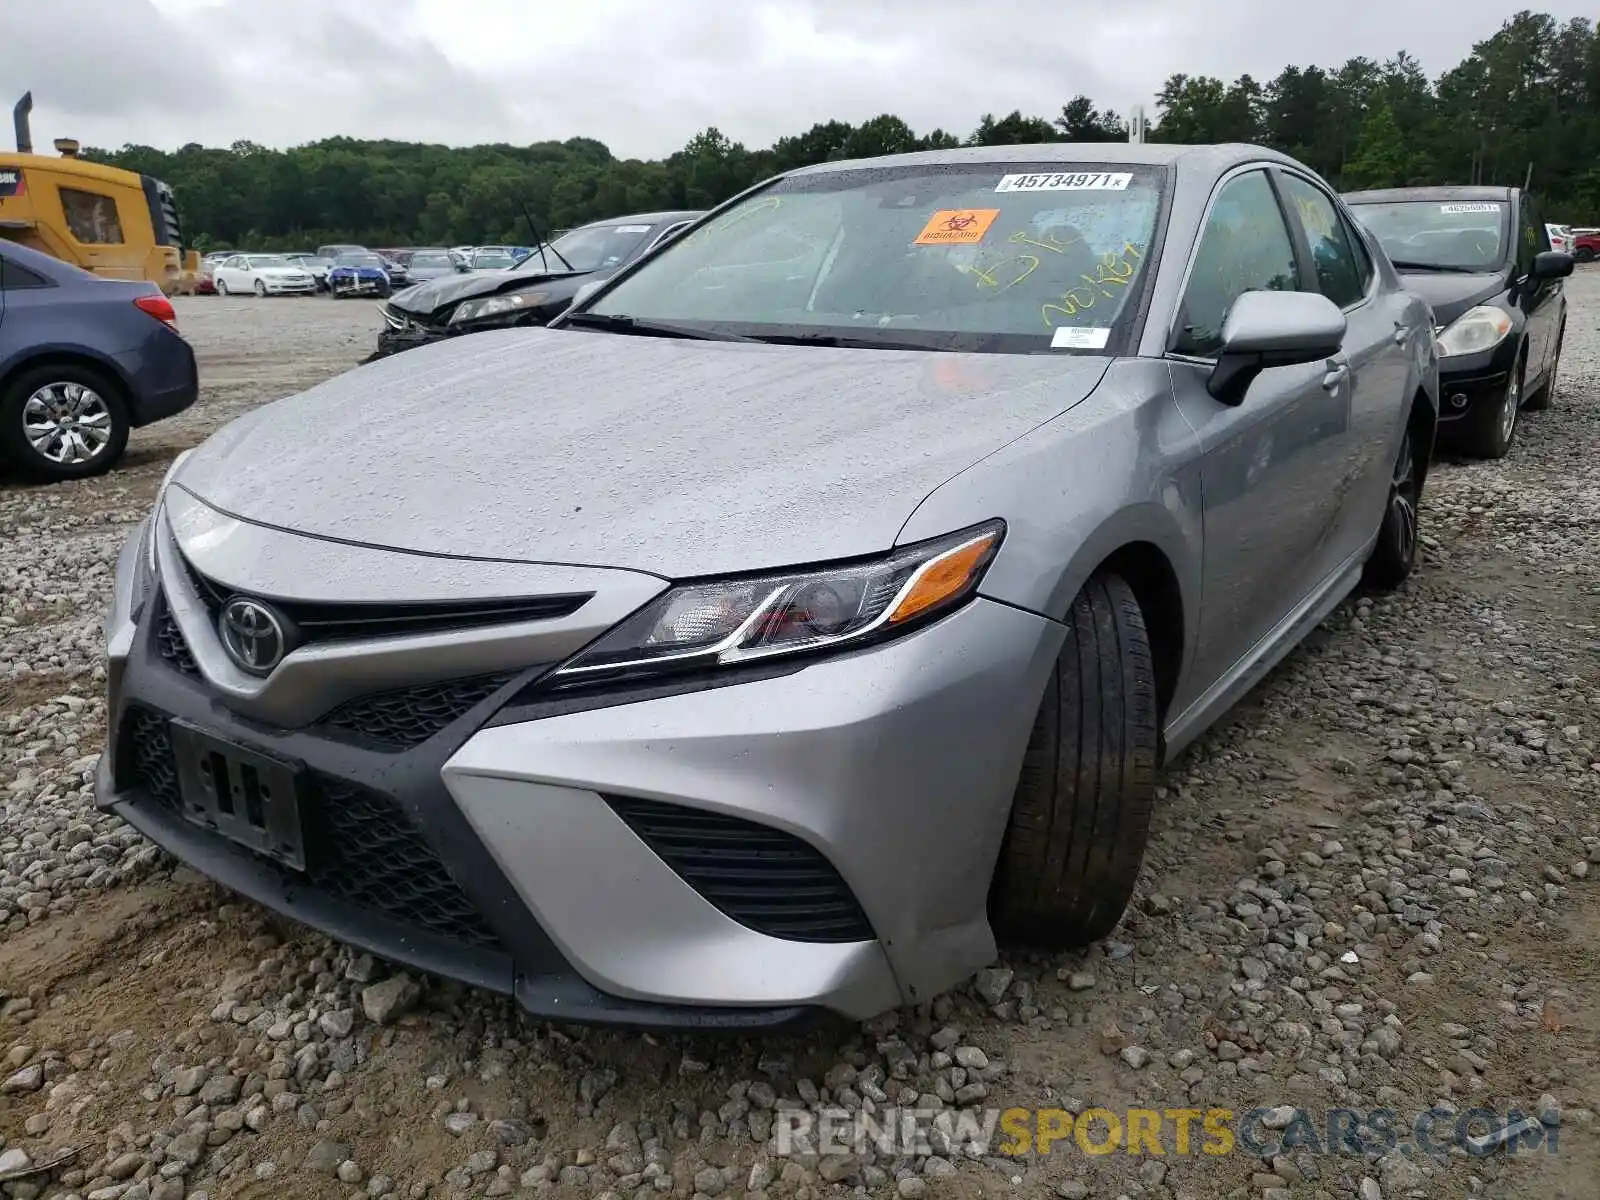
(1587, 247)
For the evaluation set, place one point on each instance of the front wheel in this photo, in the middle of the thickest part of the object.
(1080, 816)
(1395, 553)
(222, 288)
(261, 290)
(62, 422)
(1584, 254)
(1494, 426)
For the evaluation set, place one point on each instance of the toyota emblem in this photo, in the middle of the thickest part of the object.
(254, 636)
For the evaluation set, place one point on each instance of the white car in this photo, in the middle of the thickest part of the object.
(1561, 238)
(263, 274)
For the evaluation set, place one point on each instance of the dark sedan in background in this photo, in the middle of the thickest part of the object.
(82, 361)
(1481, 257)
(532, 293)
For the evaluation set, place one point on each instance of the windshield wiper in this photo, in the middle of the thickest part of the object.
(1400, 265)
(846, 341)
(622, 323)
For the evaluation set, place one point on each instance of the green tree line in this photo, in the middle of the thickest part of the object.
(1523, 104)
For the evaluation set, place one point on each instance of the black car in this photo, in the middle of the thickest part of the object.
(1481, 257)
(531, 293)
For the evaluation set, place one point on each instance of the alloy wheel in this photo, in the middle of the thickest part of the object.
(1403, 501)
(67, 423)
(1509, 407)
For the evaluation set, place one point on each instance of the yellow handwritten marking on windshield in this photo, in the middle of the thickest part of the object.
(1020, 267)
(754, 208)
(1113, 269)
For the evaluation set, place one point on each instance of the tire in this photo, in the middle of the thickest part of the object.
(1080, 816)
(28, 398)
(1584, 254)
(1395, 553)
(261, 290)
(222, 288)
(1494, 426)
(1546, 395)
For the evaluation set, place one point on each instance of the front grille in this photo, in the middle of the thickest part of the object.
(410, 716)
(765, 879)
(360, 847)
(316, 622)
(172, 646)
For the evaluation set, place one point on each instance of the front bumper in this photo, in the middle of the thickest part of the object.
(558, 850)
(284, 288)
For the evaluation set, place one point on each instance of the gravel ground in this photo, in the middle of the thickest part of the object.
(1369, 889)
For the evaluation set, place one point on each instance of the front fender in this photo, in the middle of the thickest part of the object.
(1120, 469)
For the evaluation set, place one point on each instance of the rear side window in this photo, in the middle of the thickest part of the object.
(1339, 273)
(1244, 247)
(91, 217)
(14, 277)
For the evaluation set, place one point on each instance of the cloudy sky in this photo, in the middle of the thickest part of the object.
(644, 75)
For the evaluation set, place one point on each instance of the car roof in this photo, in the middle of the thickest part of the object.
(650, 218)
(1452, 192)
(1211, 159)
(41, 263)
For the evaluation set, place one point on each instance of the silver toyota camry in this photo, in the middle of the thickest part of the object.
(807, 611)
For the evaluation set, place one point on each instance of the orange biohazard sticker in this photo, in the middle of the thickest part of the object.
(957, 226)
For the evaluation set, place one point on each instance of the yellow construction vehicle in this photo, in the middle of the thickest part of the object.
(112, 222)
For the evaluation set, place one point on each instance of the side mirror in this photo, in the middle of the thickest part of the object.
(587, 290)
(1273, 329)
(1552, 264)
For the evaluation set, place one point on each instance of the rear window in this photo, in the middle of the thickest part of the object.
(15, 276)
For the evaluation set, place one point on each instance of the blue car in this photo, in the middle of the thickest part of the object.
(359, 274)
(83, 360)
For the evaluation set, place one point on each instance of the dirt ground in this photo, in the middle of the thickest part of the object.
(1410, 739)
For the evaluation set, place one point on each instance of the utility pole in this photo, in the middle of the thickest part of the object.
(1137, 126)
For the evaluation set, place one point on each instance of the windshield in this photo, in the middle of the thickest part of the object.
(592, 248)
(493, 262)
(359, 260)
(1003, 258)
(1443, 234)
(423, 259)
(268, 260)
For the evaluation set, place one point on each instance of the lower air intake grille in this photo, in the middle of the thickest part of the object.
(767, 880)
(408, 717)
(360, 847)
(375, 858)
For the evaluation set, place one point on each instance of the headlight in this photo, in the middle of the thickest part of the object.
(700, 626)
(1475, 330)
(493, 306)
(145, 565)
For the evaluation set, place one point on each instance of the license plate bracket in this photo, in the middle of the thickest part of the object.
(253, 799)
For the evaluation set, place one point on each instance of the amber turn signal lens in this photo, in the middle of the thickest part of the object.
(943, 578)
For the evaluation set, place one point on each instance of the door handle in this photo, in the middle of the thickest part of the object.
(1337, 374)
(1402, 333)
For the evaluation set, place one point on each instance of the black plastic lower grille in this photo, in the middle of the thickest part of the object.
(359, 846)
(408, 717)
(767, 880)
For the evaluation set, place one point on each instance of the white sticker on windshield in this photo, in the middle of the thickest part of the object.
(1074, 337)
(633, 229)
(1468, 208)
(1090, 181)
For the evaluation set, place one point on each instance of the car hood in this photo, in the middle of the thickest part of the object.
(680, 458)
(429, 297)
(1452, 293)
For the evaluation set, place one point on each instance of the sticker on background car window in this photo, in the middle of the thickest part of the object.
(1078, 337)
(1079, 181)
(956, 226)
(1468, 208)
